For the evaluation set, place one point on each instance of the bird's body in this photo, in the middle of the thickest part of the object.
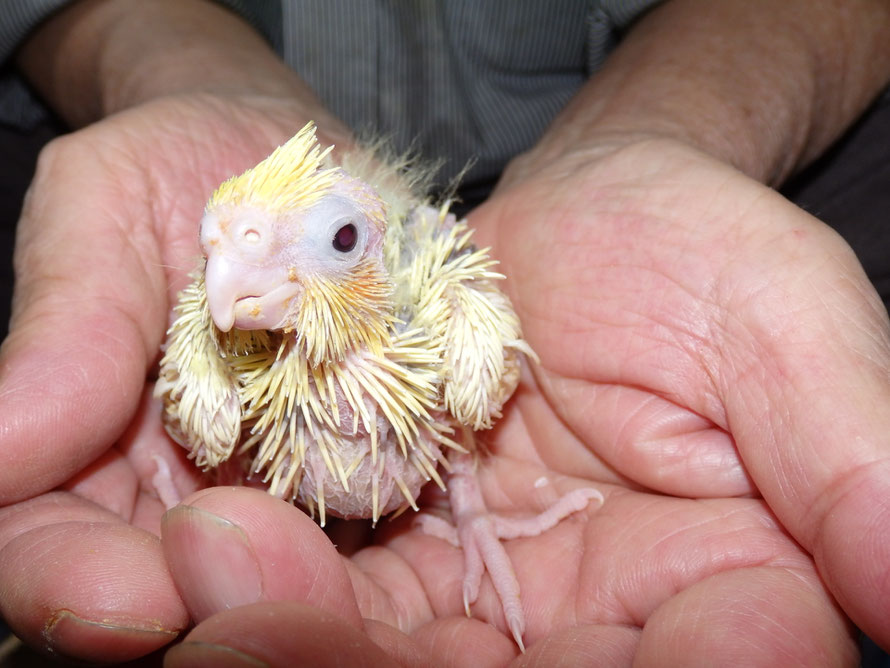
(342, 338)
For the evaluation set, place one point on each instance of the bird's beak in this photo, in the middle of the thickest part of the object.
(222, 278)
(248, 296)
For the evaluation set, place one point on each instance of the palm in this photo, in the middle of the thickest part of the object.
(662, 346)
(696, 341)
(108, 235)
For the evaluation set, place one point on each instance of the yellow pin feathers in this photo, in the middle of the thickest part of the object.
(342, 332)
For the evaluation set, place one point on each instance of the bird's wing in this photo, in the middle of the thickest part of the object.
(202, 409)
(458, 300)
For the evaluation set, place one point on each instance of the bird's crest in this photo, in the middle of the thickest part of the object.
(292, 176)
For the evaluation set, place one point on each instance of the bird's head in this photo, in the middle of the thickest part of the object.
(297, 246)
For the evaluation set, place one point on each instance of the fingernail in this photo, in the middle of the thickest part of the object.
(212, 561)
(207, 654)
(69, 635)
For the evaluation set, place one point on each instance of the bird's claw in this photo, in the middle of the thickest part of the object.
(479, 533)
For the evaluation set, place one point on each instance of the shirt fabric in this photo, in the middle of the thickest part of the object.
(462, 82)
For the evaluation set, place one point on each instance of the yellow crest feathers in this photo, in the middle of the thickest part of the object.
(292, 176)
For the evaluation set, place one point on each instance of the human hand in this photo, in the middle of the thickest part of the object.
(703, 342)
(107, 237)
(702, 337)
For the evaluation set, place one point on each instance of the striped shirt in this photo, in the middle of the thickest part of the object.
(461, 81)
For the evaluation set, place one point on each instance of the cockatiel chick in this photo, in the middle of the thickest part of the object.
(342, 337)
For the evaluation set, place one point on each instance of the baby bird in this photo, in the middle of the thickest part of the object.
(342, 344)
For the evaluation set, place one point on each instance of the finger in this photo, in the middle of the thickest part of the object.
(123, 479)
(277, 634)
(109, 482)
(228, 547)
(78, 582)
(810, 407)
(531, 430)
(588, 645)
(402, 648)
(852, 548)
(650, 440)
(87, 318)
(760, 616)
(460, 641)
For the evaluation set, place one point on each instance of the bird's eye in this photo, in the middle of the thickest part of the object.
(345, 238)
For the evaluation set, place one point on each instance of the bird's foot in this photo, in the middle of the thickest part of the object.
(479, 532)
(162, 481)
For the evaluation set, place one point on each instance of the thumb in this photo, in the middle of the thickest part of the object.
(87, 319)
(280, 634)
(228, 547)
(807, 394)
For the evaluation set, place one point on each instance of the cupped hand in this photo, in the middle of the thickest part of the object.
(107, 238)
(712, 359)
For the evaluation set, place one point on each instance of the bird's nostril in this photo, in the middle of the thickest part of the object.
(251, 235)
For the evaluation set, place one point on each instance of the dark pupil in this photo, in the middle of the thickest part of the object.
(344, 240)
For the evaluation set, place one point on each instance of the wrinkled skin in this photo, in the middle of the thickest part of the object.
(699, 337)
